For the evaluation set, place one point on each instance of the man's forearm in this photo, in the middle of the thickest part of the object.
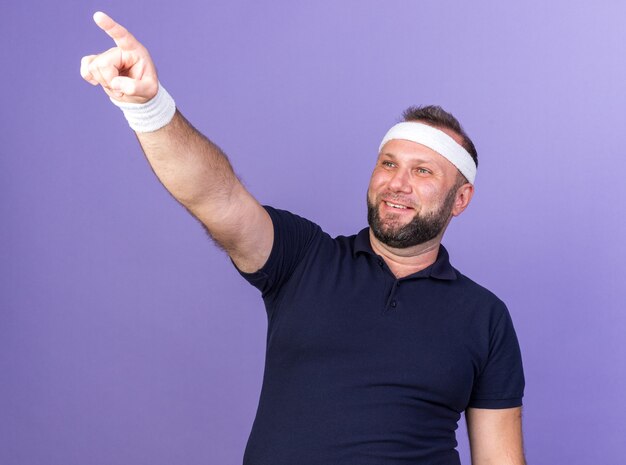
(193, 169)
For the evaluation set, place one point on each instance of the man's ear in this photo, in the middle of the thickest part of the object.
(463, 197)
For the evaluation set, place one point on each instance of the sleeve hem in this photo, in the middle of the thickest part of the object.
(495, 403)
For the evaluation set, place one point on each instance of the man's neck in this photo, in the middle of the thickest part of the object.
(406, 261)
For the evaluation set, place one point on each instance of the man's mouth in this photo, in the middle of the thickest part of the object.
(396, 205)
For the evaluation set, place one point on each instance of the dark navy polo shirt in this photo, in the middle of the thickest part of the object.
(365, 369)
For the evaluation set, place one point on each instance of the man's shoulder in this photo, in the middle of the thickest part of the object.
(287, 218)
(291, 227)
(477, 291)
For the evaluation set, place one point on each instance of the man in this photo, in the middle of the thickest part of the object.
(375, 343)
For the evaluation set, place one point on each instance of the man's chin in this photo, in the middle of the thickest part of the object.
(390, 230)
(393, 224)
(390, 239)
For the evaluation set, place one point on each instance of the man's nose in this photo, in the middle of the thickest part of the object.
(400, 181)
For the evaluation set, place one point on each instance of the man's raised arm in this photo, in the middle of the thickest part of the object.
(193, 169)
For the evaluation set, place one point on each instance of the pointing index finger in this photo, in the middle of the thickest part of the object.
(122, 38)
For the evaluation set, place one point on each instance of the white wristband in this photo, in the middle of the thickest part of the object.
(149, 116)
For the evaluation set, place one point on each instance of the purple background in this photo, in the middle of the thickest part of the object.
(126, 337)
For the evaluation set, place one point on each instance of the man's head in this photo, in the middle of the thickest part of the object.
(417, 185)
(437, 117)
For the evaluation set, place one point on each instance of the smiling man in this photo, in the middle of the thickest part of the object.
(376, 344)
(412, 175)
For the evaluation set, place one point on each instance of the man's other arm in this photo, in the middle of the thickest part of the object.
(495, 436)
(193, 169)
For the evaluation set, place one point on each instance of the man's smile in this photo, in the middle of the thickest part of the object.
(396, 205)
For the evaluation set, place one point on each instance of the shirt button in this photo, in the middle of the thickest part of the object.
(380, 262)
(393, 304)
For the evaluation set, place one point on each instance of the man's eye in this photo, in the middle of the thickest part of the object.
(423, 171)
(388, 164)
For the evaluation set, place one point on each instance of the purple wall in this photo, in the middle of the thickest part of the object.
(126, 337)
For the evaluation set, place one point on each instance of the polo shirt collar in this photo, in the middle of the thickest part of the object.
(441, 269)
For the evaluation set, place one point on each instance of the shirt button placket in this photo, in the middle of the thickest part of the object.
(391, 300)
(394, 302)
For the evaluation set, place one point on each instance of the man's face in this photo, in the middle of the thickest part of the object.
(411, 195)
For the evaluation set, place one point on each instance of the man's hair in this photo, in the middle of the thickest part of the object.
(439, 118)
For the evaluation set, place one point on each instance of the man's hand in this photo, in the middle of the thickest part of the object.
(125, 72)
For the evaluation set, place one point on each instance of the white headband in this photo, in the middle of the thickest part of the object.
(436, 140)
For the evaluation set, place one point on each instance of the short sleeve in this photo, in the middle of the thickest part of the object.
(293, 236)
(500, 383)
